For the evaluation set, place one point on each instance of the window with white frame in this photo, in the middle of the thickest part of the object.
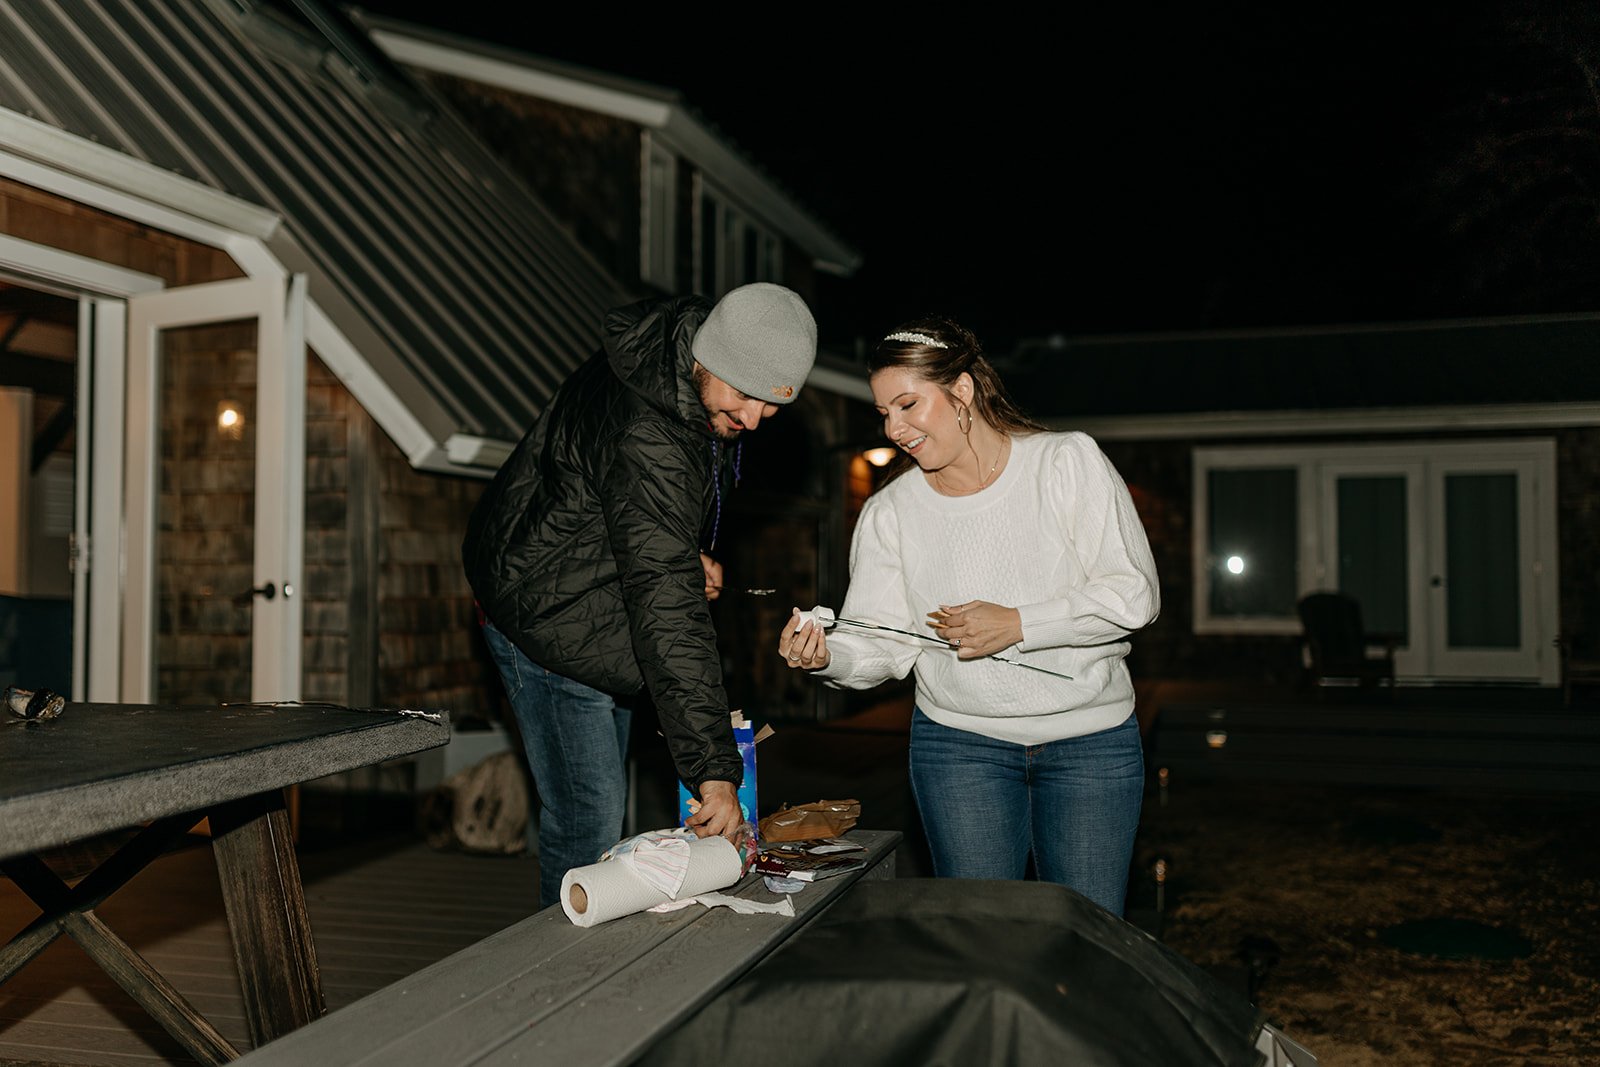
(1448, 546)
(730, 248)
(658, 228)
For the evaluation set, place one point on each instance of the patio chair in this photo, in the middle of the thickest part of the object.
(1338, 644)
(1580, 665)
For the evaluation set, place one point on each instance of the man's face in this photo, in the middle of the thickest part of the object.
(728, 411)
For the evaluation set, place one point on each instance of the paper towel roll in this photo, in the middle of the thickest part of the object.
(604, 891)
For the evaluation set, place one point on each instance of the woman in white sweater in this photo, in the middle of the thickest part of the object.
(1018, 553)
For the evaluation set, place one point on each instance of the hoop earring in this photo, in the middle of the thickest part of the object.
(964, 426)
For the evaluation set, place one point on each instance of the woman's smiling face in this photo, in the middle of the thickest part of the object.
(919, 417)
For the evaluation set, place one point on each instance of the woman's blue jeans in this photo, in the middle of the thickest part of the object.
(986, 805)
(576, 739)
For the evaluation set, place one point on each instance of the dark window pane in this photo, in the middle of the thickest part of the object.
(1483, 594)
(1254, 521)
(1372, 550)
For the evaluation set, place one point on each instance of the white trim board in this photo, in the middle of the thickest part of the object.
(1314, 423)
(25, 143)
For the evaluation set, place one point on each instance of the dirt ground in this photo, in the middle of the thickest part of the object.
(1309, 881)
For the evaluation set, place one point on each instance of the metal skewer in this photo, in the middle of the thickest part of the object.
(945, 644)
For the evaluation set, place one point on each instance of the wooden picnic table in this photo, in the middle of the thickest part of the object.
(98, 768)
(546, 991)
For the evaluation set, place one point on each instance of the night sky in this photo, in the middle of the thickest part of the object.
(1135, 172)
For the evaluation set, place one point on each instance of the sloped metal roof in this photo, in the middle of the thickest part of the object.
(463, 294)
(1478, 363)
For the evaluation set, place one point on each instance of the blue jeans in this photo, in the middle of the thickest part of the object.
(576, 739)
(986, 805)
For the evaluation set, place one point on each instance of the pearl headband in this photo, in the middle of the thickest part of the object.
(916, 339)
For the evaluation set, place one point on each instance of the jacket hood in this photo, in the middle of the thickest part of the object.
(648, 345)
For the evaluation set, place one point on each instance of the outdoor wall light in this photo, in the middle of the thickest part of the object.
(1235, 564)
(880, 456)
(230, 420)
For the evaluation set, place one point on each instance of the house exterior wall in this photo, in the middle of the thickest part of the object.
(43, 218)
(582, 165)
(387, 614)
(586, 167)
(1578, 534)
(430, 653)
(1160, 477)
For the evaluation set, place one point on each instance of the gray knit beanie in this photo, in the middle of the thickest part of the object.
(760, 339)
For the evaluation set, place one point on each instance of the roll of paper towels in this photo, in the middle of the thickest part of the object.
(601, 892)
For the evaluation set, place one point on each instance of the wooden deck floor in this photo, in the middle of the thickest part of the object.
(380, 911)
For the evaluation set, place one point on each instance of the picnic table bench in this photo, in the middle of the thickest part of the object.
(546, 991)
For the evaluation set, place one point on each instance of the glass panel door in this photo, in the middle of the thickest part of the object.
(214, 478)
(1485, 570)
(205, 513)
(1374, 549)
(40, 442)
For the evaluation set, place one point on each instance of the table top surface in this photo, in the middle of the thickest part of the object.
(100, 767)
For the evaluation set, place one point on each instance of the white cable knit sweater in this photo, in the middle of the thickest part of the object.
(1057, 537)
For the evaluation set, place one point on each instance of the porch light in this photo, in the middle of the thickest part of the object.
(880, 456)
(1235, 564)
(230, 420)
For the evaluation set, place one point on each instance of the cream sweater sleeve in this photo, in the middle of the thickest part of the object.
(1119, 592)
(858, 659)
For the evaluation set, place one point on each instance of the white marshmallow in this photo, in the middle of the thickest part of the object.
(818, 616)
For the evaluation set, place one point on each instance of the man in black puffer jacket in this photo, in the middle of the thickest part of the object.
(584, 556)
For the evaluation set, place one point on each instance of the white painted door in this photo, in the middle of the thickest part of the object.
(214, 489)
(1487, 602)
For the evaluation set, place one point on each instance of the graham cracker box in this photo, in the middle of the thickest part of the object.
(746, 737)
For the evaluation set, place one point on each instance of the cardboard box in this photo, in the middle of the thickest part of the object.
(746, 737)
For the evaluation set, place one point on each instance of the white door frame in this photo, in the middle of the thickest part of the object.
(97, 520)
(279, 312)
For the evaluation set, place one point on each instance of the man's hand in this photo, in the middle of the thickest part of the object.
(713, 576)
(719, 811)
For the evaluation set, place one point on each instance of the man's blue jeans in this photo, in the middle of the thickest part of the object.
(1073, 804)
(576, 739)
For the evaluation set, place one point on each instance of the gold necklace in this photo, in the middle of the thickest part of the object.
(983, 483)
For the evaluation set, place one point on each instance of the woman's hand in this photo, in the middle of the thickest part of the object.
(802, 645)
(977, 628)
